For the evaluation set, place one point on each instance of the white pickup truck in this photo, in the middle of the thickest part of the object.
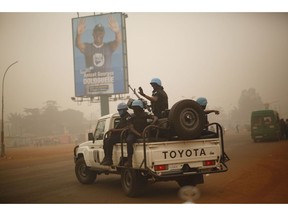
(173, 149)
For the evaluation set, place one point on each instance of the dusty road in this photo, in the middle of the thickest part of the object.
(257, 174)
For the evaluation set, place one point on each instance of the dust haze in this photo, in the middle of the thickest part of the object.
(215, 55)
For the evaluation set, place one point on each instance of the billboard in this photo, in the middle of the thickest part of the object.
(100, 55)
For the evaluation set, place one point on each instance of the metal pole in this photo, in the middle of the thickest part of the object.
(2, 119)
(104, 104)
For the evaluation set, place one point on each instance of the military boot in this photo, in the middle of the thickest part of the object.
(107, 162)
(128, 163)
(104, 160)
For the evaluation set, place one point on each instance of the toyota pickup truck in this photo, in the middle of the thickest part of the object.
(174, 149)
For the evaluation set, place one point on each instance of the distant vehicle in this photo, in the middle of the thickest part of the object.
(265, 125)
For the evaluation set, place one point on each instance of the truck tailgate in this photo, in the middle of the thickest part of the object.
(175, 155)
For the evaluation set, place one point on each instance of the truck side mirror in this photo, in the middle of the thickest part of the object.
(91, 137)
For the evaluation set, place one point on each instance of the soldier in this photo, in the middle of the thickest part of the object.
(114, 134)
(159, 98)
(138, 123)
(286, 130)
(202, 101)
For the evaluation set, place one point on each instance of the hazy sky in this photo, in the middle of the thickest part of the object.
(216, 55)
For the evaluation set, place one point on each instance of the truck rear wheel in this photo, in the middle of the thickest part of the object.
(187, 119)
(133, 183)
(83, 174)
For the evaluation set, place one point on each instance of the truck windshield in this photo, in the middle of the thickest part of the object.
(262, 120)
(99, 131)
(116, 122)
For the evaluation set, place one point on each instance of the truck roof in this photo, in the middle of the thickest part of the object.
(113, 115)
(261, 112)
(109, 115)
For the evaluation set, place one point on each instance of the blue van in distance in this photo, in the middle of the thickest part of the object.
(265, 125)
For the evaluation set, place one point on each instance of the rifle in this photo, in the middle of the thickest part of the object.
(145, 104)
(134, 91)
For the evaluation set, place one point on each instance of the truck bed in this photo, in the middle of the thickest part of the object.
(163, 158)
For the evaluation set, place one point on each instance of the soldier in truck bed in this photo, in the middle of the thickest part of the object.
(159, 98)
(140, 119)
(202, 101)
(115, 133)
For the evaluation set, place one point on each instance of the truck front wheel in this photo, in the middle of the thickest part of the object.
(132, 182)
(83, 174)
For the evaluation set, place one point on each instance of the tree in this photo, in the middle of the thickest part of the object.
(32, 121)
(51, 119)
(73, 121)
(249, 101)
(17, 123)
(48, 121)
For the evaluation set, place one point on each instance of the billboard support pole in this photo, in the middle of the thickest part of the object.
(104, 104)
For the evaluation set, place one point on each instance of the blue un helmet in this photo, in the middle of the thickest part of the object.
(156, 81)
(138, 103)
(122, 108)
(202, 101)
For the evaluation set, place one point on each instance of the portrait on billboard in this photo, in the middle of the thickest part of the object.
(99, 56)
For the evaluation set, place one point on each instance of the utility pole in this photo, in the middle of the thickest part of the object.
(2, 119)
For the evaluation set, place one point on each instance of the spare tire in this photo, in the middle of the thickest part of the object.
(187, 119)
